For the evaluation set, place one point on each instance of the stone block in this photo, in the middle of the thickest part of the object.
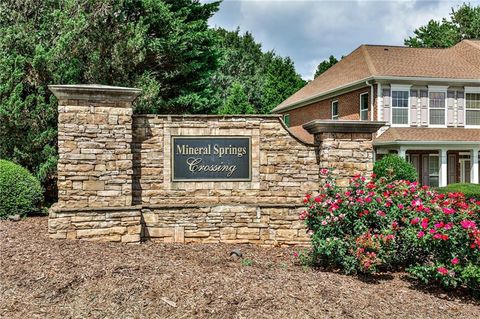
(159, 232)
(94, 185)
(131, 238)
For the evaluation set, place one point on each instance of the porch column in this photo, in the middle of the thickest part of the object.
(474, 169)
(402, 152)
(443, 176)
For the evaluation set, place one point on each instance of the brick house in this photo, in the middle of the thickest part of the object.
(429, 99)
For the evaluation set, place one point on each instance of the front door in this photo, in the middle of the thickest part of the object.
(464, 170)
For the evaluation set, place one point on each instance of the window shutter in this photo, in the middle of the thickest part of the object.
(460, 108)
(386, 105)
(424, 107)
(450, 109)
(413, 107)
(452, 168)
(425, 173)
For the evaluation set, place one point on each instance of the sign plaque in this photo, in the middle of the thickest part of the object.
(211, 158)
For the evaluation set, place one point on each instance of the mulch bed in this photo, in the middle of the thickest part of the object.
(43, 278)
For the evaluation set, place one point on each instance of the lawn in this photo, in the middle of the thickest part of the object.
(43, 278)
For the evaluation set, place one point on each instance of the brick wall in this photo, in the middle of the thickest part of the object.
(348, 105)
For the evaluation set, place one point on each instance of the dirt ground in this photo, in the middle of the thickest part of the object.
(43, 278)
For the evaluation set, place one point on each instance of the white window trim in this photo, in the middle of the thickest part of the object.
(360, 106)
(285, 122)
(338, 111)
(399, 87)
(474, 90)
(437, 89)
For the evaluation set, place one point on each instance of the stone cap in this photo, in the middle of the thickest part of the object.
(339, 126)
(94, 92)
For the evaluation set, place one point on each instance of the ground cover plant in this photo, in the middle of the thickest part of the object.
(375, 225)
(20, 192)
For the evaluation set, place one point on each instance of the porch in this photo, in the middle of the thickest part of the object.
(440, 166)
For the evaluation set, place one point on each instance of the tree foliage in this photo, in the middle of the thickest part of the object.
(163, 47)
(267, 79)
(325, 65)
(236, 102)
(463, 23)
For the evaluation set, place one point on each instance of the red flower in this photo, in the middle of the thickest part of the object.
(455, 261)
(442, 270)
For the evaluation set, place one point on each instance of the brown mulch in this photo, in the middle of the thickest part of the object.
(43, 278)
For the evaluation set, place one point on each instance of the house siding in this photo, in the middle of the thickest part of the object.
(454, 107)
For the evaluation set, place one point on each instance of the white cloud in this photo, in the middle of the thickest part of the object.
(309, 31)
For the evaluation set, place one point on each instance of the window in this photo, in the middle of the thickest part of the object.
(433, 170)
(400, 107)
(364, 106)
(436, 107)
(286, 120)
(472, 113)
(335, 110)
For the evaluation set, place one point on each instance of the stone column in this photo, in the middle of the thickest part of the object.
(345, 147)
(94, 145)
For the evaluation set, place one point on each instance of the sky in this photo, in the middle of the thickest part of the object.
(309, 31)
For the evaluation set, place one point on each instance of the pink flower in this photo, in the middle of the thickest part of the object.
(448, 226)
(400, 206)
(317, 199)
(415, 221)
(439, 224)
(324, 171)
(437, 236)
(420, 234)
(368, 199)
(448, 211)
(324, 222)
(295, 254)
(424, 223)
(380, 213)
(468, 224)
(416, 202)
(442, 270)
(455, 261)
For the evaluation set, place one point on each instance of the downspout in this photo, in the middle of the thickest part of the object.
(371, 99)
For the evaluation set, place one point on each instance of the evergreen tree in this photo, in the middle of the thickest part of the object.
(236, 102)
(164, 47)
(325, 65)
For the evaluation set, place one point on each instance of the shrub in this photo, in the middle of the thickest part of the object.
(20, 192)
(375, 225)
(469, 190)
(393, 167)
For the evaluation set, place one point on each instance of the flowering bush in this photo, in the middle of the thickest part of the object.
(375, 225)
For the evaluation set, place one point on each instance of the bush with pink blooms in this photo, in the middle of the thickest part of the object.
(375, 225)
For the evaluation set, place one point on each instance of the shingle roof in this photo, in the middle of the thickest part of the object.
(461, 61)
(302, 134)
(413, 134)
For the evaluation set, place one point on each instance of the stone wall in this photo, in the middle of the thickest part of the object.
(115, 177)
(262, 211)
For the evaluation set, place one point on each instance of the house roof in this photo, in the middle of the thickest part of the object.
(368, 62)
(302, 134)
(423, 134)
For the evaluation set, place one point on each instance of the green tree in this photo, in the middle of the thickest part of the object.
(267, 79)
(463, 23)
(280, 80)
(325, 65)
(164, 47)
(237, 101)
